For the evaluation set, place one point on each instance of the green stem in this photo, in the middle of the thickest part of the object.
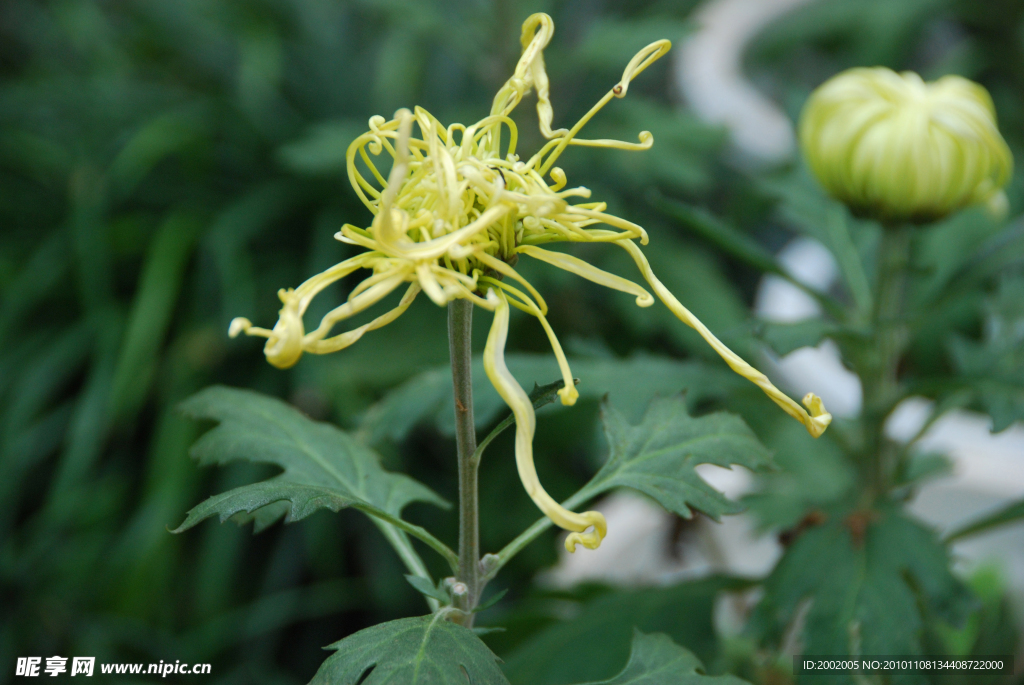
(460, 338)
(881, 381)
(417, 532)
(407, 554)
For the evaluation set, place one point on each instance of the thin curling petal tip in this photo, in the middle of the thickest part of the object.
(239, 324)
(589, 539)
(820, 419)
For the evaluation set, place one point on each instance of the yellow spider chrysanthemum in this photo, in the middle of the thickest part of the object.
(453, 218)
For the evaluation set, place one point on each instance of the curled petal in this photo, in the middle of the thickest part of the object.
(284, 344)
(558, 176)
(589, 272)
(430, 285)
(312, 286)
(504, 269)
(340, 342)
(641, 60)
(632, 230)
(815, 422)
(393, 240)
(385, 229)
(353, 236)
(239, 324)
(360, 184)
(646, 142)
(368, 297)
(522, 409)
(530, 73)
(568, 394)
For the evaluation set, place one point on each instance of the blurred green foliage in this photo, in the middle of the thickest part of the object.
(166, 166)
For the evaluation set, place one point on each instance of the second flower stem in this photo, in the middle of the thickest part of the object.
(460, 338)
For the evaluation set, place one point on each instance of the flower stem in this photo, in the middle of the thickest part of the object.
(881, 383)
(460, 329)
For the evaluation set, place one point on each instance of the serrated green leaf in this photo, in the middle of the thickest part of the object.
(299, 501)
(630, 383)
(264, 517)
(428, 589)
(992, 630)
(323, 466)
(658, 456)
(412, 651)
(866, 576)
(656, 660)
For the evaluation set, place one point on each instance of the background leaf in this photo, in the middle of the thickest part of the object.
(656, 660)
(784, 338)
(594, 641)
(1008, 514)
(867, 577)
(995, 366)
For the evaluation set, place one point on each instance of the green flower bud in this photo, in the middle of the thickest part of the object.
(895, 148)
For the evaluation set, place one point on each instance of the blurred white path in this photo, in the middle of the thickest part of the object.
(709, 74)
